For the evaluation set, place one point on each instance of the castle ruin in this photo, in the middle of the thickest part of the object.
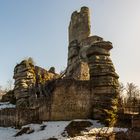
(88, 90)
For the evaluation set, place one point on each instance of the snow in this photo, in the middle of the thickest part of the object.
(55, 129)
(6, 105)
(99, 128)
(83, 138)
(7, 133)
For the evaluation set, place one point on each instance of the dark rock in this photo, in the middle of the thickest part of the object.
(24, 130)
(75, 127)
(42, 127)
(52, 139)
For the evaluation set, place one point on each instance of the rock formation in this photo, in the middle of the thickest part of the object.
(90, 88)
(79, 29)
(76, 68)
(79, 41)
(29, 81)
(105, 81)
(24, 75)
(89, 58)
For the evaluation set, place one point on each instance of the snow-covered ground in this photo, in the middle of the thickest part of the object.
(6, 105)
(54, 130)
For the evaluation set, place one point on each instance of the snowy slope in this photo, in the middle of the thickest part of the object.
(54, 129)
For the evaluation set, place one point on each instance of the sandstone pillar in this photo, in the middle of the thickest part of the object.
(79, 29)
(24, 76)
(105, 82)
(30, 82)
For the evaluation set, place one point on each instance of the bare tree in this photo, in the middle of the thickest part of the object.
(121, 89)
(132, 93)
(132, 90)
(0, 88)
(121, 94)
(9, 85)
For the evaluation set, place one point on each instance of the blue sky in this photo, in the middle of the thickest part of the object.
(39, 29)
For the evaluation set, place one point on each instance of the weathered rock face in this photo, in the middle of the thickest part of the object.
(65, 99)
(79, 42)
(24, 75)
(77, 68)
(104, 80)
(29, 82)
(77, 58)
(69, 99)
(89, 58)
(79, 27)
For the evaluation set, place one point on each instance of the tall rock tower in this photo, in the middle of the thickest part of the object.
(79, 30)
(79, 27)
(104, 79)
(89, 59)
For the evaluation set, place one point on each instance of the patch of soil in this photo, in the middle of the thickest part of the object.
(75, 127)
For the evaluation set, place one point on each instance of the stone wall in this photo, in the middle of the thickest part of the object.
(72, 100)
(69, 100)
(18, 117)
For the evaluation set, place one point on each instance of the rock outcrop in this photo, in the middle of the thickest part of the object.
(90, 87)
(77, 68)
(105, 81)
(79, 29)
(89, 58)
(24, 75)
(29, 82)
